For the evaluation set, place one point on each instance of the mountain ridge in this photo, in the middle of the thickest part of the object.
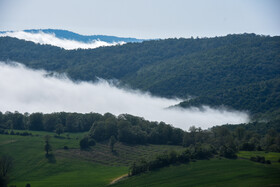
(212, 68)
(65, 34)
(69, 35)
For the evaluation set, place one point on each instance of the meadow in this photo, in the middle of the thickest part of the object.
(214, 172)
(98, 166)
(69, 167)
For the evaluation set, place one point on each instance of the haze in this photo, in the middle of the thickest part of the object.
(144, 19)
(51, 39)
(26, 90)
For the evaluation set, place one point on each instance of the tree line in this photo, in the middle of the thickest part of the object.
(131, 129)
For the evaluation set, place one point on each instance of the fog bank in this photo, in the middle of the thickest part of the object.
(51, 39)
(27, 90)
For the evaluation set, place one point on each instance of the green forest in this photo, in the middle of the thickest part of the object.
(239, 71)
(234, 72)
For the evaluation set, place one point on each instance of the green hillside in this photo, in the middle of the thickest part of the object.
(31, 166)
(238, 71)
(212, 172)
(99, 166)
(70, 167)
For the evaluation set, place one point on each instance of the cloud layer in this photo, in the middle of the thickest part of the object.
(27, 90)
(51, 39)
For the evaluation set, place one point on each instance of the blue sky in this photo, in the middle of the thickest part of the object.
(144, 18)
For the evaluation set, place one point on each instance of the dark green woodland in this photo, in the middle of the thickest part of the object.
(241, 72)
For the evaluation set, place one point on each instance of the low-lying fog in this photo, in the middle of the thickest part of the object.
(27, 90)
(51, 39)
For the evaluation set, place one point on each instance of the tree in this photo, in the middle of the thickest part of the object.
(240, 132)
(50, 121)
(74, 122)
(59, 129)
(18, 122)
(6, 164)
(112, 142)
(36, 121)
(84, 144)
(48, 147)
(188, 139)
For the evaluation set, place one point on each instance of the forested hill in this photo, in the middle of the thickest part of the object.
(239, 71)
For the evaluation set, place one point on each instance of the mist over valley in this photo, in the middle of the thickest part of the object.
(139, 93)
(27, 90)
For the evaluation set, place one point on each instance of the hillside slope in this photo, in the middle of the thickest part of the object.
(239, 71)
(212, 172)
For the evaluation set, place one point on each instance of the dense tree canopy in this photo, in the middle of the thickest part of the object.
(238, 71)
(125, 128)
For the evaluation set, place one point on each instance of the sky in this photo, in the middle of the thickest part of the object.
(27, 90)
(145, 19)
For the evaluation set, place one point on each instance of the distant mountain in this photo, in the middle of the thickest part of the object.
(64, 34)
(241, 72)
(66, 39)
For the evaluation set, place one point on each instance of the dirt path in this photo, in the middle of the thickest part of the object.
(118, 179)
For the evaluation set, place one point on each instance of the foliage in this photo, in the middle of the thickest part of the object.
(260, 159)
(240, 71)
(112, 142)
(59, 129)
(6, 164)
(198, 152)
(213, 172)
(48, 147)
(272, 156)
(86, 142)
(125, 128)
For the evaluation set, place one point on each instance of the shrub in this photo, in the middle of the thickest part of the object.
(91, 142)
(84, 143)
(24, 134)
(228, 152)
(260, 159)
(254, 159)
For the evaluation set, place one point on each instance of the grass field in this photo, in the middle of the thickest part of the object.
(209, 173)
(273, 157)
(98, 166)
(31, 165)
(72, 167)
(125, 155)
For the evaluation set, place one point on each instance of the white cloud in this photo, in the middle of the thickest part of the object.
(27, 90)
(51, 39)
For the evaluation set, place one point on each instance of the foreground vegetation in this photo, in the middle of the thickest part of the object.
(72, 166)
(98, 166)
(30, 164)
(93, 149)
(214, 172)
